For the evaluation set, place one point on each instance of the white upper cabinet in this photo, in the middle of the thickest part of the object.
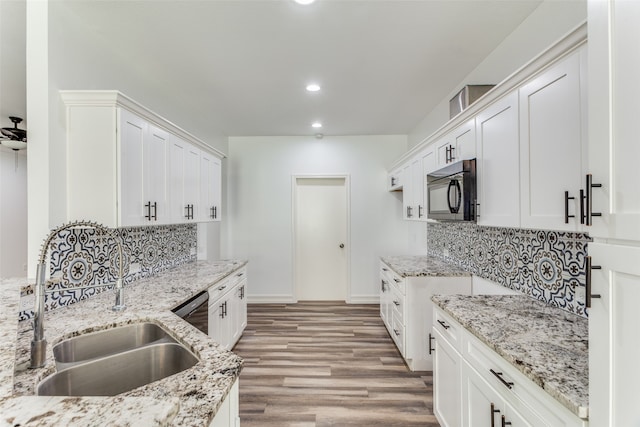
(417, 189)
(143, 175)
(498, 163)
(210, 188)
(133, 134)
(184, 172)
(408, 209)
(127, 166)
(459, 144)
(155, 176)
(553, 146)
(614, 149)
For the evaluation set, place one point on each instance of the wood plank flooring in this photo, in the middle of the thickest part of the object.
(327, 364)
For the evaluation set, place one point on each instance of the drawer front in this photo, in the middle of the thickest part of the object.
(398, 335)
(398, 303)
(217, 290)
(449, 328)
(237, 276)
(518, 390)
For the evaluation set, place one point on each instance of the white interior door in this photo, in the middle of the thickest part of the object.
(320, 237)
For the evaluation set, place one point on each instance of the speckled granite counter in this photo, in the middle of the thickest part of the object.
(189, 398)
(550, 346)
(422, 265)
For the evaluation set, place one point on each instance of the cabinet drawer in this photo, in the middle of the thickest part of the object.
(237, 276)
(517, 390)
(398, 334)
(398, 303)
(217, 290)
(449, 328)
(397, 282)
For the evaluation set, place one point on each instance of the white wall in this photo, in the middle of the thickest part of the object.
(548, 23)
(260, 210)
(13, 209)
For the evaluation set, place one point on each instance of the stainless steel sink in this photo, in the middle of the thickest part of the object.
(84, 348)
(118, 373)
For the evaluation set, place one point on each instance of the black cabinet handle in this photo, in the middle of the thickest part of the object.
(588, 295)
(148, 215)
(396, 332)
(155, 211)
(493, 412)
(212, 214)
(444, 325)
(431, 338)
(409, 212)
(451, 150)
(498, 375)
(505, 423)
(420, 211)
(589, 200)
(393, 181)
(189, 214)
(582, 213)
(566, 207)
(382, 286)
(396, 303)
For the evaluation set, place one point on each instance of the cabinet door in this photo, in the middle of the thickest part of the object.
(614, 88)
(216, 191)
(407, 192)
(553, 146)
(464, 141)
(447, 394)
(132, 138)
(614, 348)
(192, 181)
(498, 164)
(483, 406)
(206, 212)
(156, 146)
(418, 182)
(178, 153)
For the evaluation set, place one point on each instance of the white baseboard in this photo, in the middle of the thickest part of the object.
(364, 299)
(270, 299)
(289, 299)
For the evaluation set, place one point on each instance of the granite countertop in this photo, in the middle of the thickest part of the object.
(422, 265)
(548, 345)
(189, 398)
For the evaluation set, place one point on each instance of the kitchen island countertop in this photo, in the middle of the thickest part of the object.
(421, 266)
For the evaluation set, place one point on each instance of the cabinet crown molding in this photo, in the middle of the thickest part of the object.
(115, 98)
(564, 46)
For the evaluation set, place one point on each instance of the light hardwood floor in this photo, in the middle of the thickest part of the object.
(327, 364)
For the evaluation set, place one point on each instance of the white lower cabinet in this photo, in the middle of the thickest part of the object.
(447, 394)
(475, 387)
(407, 311)
(228, 309)
(228, 414)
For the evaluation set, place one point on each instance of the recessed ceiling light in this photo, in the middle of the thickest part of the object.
(316, 125)
(304, 1)
(313, 87)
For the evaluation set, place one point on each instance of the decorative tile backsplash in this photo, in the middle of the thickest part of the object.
(546, 265)
(78, 258)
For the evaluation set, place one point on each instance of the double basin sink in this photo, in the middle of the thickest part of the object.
(114, 361)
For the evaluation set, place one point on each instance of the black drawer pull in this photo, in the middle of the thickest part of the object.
(431, 338)
(498, 375)
(396, 303)
(444, 325)
(493, 412)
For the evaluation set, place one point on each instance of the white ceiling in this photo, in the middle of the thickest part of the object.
(241, 65)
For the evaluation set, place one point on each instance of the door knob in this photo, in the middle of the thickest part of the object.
(341, 245)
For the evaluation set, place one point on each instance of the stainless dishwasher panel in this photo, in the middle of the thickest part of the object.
(195, 311)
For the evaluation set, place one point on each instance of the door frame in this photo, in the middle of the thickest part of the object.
(294, 202)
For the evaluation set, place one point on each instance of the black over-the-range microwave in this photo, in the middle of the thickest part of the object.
(451, 192)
